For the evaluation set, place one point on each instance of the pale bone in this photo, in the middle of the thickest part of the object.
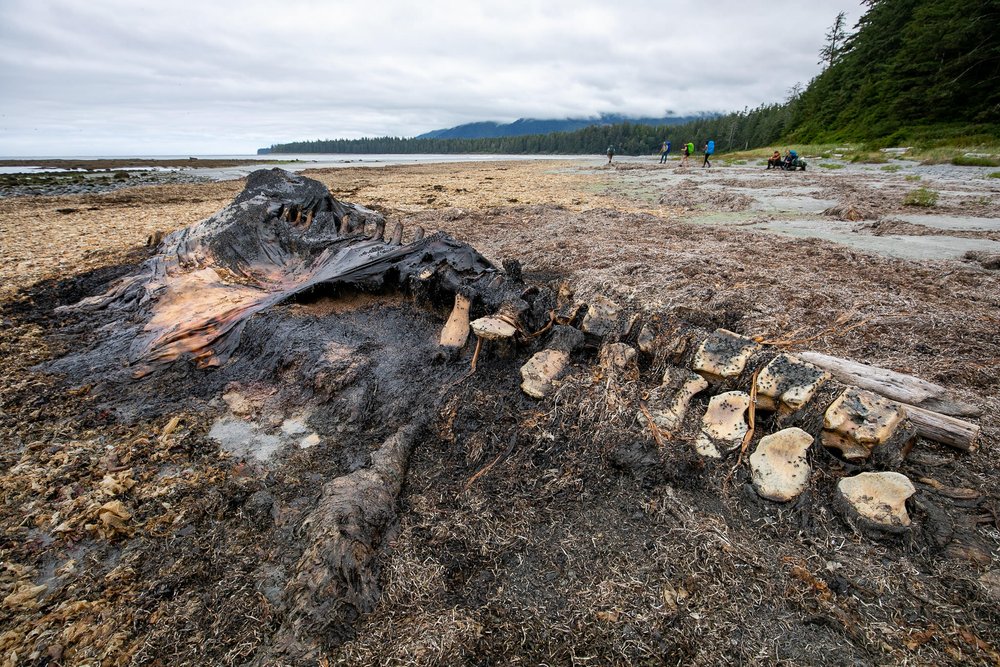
(541, 370)
(779, 468)
(723, 355)
(723, 424)
(456, 330)
(600, 318)
(397, 234)
(858, 421)
(493, 328)
(618, 356)
(668, 403)
(879, 498)
(788, 383)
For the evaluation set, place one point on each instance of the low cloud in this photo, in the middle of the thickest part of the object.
(111, 77)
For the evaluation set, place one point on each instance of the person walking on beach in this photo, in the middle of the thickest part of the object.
(688, 149)
(709, 149)
(664, 151)
(611, 152)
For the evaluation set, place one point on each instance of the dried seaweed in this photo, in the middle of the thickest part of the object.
(140, 541)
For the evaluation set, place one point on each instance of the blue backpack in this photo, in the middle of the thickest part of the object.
(711, 147)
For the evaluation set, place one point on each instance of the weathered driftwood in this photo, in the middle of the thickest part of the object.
(950, 431)
(897, 386)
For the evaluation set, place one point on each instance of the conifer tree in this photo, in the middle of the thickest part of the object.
(835, 38)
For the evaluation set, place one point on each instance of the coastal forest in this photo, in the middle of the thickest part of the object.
(918, 71)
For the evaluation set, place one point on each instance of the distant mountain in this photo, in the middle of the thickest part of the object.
(528, 126)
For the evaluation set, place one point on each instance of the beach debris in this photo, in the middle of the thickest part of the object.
(779, 468)
(115, 484)
(988, 260)
(25, 598)
(877, 499)
(723, 355)
(723, 424)
(155, 238)
(110, 520)
(933, 409)
(906, 389)
(849, 213)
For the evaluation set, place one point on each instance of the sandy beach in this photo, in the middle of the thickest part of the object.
(832, 259)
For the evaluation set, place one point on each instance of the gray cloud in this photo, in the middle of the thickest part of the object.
(119, 77)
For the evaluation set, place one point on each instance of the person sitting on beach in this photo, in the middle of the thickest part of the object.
(774, 162)
(790, 158)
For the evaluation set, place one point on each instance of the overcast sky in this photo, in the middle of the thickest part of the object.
(176, 77)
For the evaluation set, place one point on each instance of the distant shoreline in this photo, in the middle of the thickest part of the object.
(54, 176)
(93, 164)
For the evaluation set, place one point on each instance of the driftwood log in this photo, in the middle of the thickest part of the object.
(950, 431)
(898, 386)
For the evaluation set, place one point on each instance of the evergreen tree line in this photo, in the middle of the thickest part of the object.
(912, 69)
(748, 128)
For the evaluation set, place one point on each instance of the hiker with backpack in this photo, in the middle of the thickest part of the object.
(664, 151)
(709, 149)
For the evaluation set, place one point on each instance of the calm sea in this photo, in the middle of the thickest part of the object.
(304, 161)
